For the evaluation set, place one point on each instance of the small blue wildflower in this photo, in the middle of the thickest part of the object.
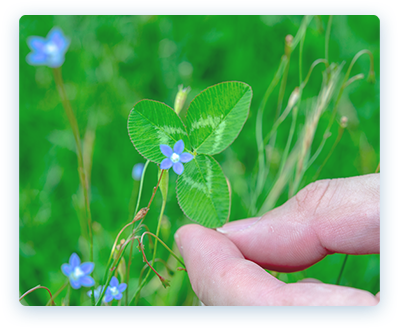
(114, 290)
(48, 51)
(175, 157)
(137, 171)
(77, 273)
(97, 292)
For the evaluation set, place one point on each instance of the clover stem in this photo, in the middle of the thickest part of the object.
(81, 168)
(155, 189)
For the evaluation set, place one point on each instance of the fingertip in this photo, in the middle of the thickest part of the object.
(184, 235)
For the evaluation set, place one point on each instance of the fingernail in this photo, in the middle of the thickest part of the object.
(239, 225)
(179, 246)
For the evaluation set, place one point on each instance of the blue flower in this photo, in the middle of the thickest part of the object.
(48, 51)
(175, 157)
(137, 171)
(77, 273)
(114, 290)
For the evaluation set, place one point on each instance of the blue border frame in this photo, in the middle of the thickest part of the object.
(197, 316)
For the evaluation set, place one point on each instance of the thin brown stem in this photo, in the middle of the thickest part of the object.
(51, 301)
(34, 289)
(161, 278)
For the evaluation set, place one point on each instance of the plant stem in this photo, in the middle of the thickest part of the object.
(135, 212)
(167, 247)
(259, 134)
(342, 270)
(327, 42)
(339, 136)
(81, 170)
(289, 141)
(137, 293)
(51, 301)
(121, 253)
(342, 88)
(35, 288)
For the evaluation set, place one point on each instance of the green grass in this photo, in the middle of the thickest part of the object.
(114, 62)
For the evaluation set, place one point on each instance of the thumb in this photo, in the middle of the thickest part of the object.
(327, 216)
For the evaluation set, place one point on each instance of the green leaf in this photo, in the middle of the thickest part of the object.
(153, 123)
(202, 192)
(216, 116)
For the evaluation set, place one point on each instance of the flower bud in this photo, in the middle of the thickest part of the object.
(181, 98)
(344, 121)
(288, 42)
(293, 97)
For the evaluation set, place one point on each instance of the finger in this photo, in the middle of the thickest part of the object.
(220, 275)
(328, 216)
(218, 272)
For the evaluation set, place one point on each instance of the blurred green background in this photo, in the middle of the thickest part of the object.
(114, 62)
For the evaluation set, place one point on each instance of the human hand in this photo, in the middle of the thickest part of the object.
(225, 267)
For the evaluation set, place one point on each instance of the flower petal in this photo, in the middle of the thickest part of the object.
(178, 168)
(185, 157)
(37, 44)
(108, 297)
(66, 269)
(166, 150)
(56, 36)
(166, 164)
(114, 281)
(122, 287)
(36, 59)
(178, 147)
(74, 260)
(87, 267)
(118, 296)
(75, 284)
(87, 281)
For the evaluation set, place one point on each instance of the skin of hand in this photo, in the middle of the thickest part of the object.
(225, 266)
